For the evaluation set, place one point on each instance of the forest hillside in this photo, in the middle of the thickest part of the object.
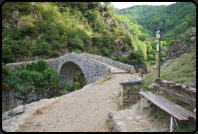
(172, 19)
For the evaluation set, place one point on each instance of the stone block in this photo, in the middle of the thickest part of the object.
(134, 98)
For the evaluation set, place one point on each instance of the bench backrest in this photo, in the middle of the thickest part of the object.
(178, 87)
(141, 72)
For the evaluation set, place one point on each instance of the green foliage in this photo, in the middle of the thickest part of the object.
(76, 86)
(171, 42)
(25, 22)
(173, 22)
(76, 42)
(56, 46)
(42, 48)
(124, 48)
(36, 74)
(9, 7)
(77, 51)
(92, 15)
(83, 84)
(66, 86)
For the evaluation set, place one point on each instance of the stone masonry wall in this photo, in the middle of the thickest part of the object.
(110, 62)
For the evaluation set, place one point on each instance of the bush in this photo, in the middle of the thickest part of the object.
(42, 48)
(124, 48)
(171, 42)
(76, 86)
(56, 45)
(77, 51)
(96, 52)
(76, 42)
(25, 22)
(105, 51)
(93, 16)
(53, 54)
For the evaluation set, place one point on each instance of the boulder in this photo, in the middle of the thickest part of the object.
(9, 114)
(142, 66)
(126, 27)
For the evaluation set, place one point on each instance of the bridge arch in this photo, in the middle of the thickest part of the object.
(67, 70)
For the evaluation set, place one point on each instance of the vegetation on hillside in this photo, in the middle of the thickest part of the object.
(181, 70)
(76, 26)
(172, 19)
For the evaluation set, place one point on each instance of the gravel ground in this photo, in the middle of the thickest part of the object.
(81, 110)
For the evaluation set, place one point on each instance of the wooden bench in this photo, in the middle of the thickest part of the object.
(170, 107)
(141, 72)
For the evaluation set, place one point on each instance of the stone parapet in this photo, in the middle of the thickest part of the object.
(110, 62)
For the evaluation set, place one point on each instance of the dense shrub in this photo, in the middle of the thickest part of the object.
(76, 42)
(9, 7)
(77, 51)
(37, 74)
(76, 86)
(92, 15)
(171, 42)
(124, 48)
(56, 45)
(53, 54)
(25, 22)
(42, 48)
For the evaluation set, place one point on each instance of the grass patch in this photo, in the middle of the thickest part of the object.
(37, 111)
(101, 80)
(47, 106)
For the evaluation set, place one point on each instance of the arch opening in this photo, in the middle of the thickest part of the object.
(72, 73)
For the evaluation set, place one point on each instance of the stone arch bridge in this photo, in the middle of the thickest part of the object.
(93, 66)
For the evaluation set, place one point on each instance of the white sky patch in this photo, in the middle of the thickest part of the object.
(121, 5)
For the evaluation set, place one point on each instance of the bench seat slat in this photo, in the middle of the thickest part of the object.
(176, 95)
(175, 107)
(162, 106)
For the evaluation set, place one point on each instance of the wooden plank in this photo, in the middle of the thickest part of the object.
(176, 95)
(141, 70)
(164, 107)
(175, 106)
(169, 105)
(176, 86)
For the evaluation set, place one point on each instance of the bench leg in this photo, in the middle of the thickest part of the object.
(143, 103)
(172, 125)
(176, 123)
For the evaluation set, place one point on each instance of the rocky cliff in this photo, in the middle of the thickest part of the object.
(182, 46)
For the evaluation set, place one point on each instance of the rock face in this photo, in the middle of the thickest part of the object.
(13, 112)
(12, 98)
(142, 66)
(12, 19)
(182, 47)
(126, 27)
